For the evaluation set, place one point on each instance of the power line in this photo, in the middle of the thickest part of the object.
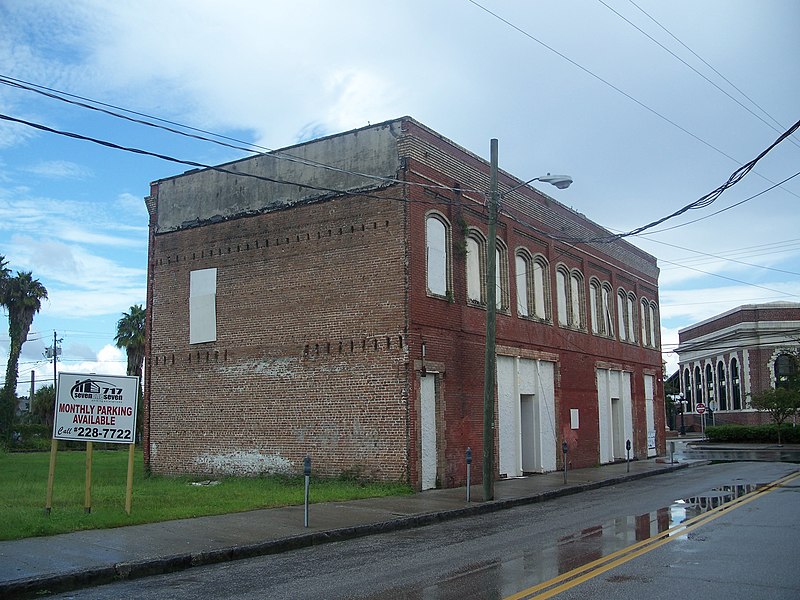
(615, 88)
(702, 202)
(706, 63)
(662, 46)
(755, 285)
(772, 187)
(780, 248)
(710, 197)
(733, 260)
(277, 154)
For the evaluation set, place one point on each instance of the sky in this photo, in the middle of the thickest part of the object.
(647, 105)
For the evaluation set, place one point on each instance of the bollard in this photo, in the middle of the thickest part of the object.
(307, 473)
(469, 471)
(564, 449)
(628, 452)
(672, 453)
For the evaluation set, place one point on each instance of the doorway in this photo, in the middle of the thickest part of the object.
(427, 411)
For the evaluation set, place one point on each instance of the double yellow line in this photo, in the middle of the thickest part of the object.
(568, 580)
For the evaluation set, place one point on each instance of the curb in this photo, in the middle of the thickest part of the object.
(64, 582)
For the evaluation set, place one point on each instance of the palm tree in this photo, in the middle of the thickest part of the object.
(130, 335)
(22, 296)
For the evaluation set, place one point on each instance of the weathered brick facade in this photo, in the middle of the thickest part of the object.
(745, 341)
(326, 331)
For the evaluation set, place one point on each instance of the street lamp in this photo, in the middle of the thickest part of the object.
(490, 365)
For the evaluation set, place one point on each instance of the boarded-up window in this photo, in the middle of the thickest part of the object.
(561, 297)
(522, 285)
(475, 265)
(203, 306)
(540, 290)
(436, 241)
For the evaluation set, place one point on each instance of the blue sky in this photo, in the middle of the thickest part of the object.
(566, 87)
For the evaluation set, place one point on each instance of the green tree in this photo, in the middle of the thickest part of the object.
(781, 403)
(43, 405)
(130, 335)
(22, 297)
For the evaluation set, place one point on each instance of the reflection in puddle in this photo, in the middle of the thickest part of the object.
(501, 578)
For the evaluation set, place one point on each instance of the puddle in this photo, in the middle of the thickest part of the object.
(500, 578)
(600, 540)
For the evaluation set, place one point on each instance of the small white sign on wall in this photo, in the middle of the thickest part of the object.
(574, 420)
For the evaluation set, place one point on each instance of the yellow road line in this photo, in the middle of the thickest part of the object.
(592, 569)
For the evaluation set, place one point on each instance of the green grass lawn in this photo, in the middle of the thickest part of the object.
(23, 490)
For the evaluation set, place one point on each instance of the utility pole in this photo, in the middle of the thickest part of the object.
(54, 353)
(490, 365)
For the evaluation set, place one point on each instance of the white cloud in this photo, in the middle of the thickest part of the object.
(60, 169)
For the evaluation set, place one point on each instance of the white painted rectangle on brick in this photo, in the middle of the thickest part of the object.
(203, 306)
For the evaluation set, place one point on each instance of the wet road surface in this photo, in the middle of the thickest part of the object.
(515, 553)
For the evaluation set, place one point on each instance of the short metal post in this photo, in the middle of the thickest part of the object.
(628, 452)
(672, 453)
(307, 473)
(469, 471)
(564, 449)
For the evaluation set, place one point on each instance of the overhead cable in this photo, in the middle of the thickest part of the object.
(614, 87)
(671, 53)
(89, 103)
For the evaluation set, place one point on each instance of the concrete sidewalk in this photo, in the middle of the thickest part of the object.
(85, 558)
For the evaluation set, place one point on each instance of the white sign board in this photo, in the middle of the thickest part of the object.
(96, 408)
(651, 439)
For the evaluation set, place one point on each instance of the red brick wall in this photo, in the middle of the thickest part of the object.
(310, 352)
(454, 334)
(322, 311)
(745, 314)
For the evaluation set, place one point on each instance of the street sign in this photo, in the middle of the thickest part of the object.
(700, 408)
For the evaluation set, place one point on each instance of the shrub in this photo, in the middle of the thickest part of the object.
(753, 433)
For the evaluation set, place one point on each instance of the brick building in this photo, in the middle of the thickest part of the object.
(329, 299)
(744, 351)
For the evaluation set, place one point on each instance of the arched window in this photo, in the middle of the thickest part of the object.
(595, 306)
(622, 314)
(722, 388)
(577, 300)
(631, 317)
(687, 389)
(608, 310)
(698, 385)
(541, 288)
(644, 317)
(522, 265)
(562, 294)
(653, 322)
(736, 390)
(571, 298)
(626, 307)
(437, 252)
(533, 291)
(502, 295)
(476, 267)
(784, 368)
(709, 383)
(600, 308)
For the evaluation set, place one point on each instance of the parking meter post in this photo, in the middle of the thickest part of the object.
(469, 471)
(628, 454)
(307, 474)
(564, 449)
